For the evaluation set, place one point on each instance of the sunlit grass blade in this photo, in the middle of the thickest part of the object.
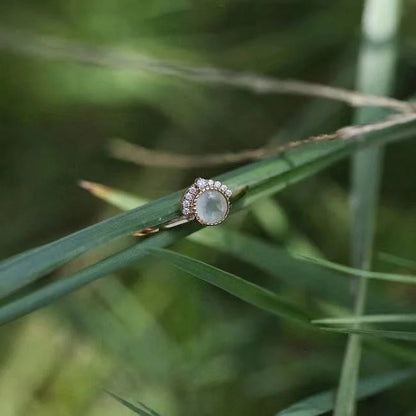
(120, 199)
(236, 286)
(400, 335)
(373, 319)
(398, 261)
(391, 277)
(322, 403)
(140, 408)
(262, 179)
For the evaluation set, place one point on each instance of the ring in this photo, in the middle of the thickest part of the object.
(206, 201)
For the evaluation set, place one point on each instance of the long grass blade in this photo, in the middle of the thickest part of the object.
(140, 408)
(321, 403)
(120, 199)
(398, 261)
(261, 179)
(368, 319)
(53, 291)
(400, 335)
(366, 173)
(269, 258)
(391, 277)
(236, 286)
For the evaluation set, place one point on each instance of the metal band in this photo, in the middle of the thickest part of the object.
(165, 226)
(183, 219)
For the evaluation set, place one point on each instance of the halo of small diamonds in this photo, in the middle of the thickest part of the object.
(214, 193)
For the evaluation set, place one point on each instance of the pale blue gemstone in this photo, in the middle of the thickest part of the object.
(211, 207)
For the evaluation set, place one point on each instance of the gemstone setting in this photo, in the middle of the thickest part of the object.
(207, 201)
(211, 207)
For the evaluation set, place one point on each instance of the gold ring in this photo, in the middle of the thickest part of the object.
(206, 201)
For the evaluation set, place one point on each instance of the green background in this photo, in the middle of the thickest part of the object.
(151, 332)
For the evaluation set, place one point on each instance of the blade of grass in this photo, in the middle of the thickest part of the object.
(260, 253)
(55, 290)
(267, 257)
(261, 178)
(272, 260)
(395, 318)
(143, 410)
(380, 22)
(401, 335)
(398, 261)
(391, 277)
(236, 286)
(279, 263)
(120, 199)
(321, 403)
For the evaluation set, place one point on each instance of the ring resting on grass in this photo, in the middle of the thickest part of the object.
(206, 201)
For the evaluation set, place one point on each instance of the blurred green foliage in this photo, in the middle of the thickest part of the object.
(150, 333)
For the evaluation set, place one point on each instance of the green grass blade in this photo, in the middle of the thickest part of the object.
(21, 270)
(236, 286)
(391, 277)
(143, 410)
(366, 173)
(262, 179)
(321, 403)
(400, 335)
(398, 261)
(269, 258)
(53, 291)
(373, 319)
(323, 284)
(120, 199)
(274, 261)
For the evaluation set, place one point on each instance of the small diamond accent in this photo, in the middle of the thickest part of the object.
(193, 190)
(217, 184)
(211, 182)
(186, 211)
(228, 192)
(224, 188)
(201, 183)
(185, 203)
(189, 196)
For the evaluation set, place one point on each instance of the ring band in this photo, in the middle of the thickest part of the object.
(206, 201)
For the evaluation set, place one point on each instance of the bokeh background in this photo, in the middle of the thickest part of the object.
(152, 333)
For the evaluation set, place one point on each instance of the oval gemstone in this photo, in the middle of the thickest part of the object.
(211, 207)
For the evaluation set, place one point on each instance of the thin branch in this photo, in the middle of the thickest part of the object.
(143, 156)
(55, 48)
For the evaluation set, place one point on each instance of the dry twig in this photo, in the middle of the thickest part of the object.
(142, 156)
(55, 48)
